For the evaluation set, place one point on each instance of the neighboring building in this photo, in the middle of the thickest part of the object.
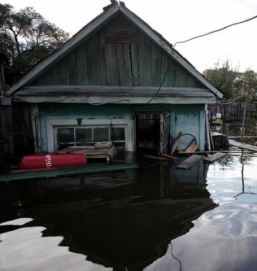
(116, 79)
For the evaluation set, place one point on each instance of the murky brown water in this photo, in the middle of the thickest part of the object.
(154, 218)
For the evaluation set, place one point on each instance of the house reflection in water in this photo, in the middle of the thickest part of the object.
(125, 227)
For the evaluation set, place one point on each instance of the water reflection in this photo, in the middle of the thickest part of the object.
(224, 238)
(123, 221)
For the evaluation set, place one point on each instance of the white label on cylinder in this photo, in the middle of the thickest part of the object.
(48, 160)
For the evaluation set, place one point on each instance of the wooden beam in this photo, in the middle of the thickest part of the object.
(93, 100)
(66, 172)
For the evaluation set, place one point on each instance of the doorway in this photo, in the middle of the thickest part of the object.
(153, 132)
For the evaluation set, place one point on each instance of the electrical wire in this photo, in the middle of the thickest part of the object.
(217, 30)
(196, 37)
(160, 84)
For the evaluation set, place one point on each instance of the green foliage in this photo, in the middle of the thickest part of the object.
(26, 37)
(231, 82)
(223, 77)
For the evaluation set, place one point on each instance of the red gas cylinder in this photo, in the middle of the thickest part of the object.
(57, 160)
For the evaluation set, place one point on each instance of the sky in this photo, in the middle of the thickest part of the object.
(175, 20)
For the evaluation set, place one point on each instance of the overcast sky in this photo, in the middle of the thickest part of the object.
(176, 20)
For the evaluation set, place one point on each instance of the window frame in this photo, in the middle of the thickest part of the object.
(53, 124)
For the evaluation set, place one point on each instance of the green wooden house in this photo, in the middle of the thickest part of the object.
(117, 79)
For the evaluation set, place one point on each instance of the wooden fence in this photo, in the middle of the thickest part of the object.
(235, 110)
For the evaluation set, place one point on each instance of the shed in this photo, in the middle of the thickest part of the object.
(116, 80)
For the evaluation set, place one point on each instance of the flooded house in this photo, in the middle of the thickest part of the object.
(116, 80)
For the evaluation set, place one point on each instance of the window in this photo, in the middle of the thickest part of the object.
(86, 136)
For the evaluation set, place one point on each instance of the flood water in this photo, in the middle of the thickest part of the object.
(156, 217)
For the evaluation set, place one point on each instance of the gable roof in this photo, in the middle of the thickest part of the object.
(109, 13)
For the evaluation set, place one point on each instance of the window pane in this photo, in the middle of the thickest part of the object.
(101, 134)
(65, 135)
(118, 134)
(83, 135)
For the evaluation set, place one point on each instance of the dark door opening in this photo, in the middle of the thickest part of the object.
(148, 132)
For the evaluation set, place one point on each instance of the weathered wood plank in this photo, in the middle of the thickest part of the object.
(48, 78)
(242, 145)
(157, 157)
(164, 66)
(189, 162)
(169, 156)
(55, 75)
(64, 74)
(103, 68)
(73, 68)
(141, 55)
(93, 61)
(175, 144)
(115, 65)
(122, 98)
(172, 73)
(216, 156)
(66, 172)
(190, 81)
(156, 65)
(148, 63)
(121, 64)
(121, 27)
(122, 40)
(181, 76)
(193, 147)
(39, 81)
(190, 92)
(134, 64)
(127, 59)
(109, 64)
(82, 65)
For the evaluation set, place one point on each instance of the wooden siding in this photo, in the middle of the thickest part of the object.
(118, 55)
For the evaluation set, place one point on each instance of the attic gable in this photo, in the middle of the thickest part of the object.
(116, 49)
(118, 55)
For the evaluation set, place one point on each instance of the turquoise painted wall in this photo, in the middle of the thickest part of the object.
(186, 118)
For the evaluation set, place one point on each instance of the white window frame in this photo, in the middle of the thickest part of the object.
(53, 124)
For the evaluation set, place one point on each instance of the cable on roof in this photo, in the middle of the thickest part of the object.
(196, 37)
(214, 31)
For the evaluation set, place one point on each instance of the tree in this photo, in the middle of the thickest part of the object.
(249, 83)
(26, 37)
(224, 78)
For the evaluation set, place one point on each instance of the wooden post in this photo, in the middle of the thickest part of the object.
(7, 129)
(243, 124)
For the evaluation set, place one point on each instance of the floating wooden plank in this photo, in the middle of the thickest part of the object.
(169, 156)
(189, 162)
(216, 156)
(242, 145)
(157, 157)
(198, 152)
(66, 172)
(192, 148)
